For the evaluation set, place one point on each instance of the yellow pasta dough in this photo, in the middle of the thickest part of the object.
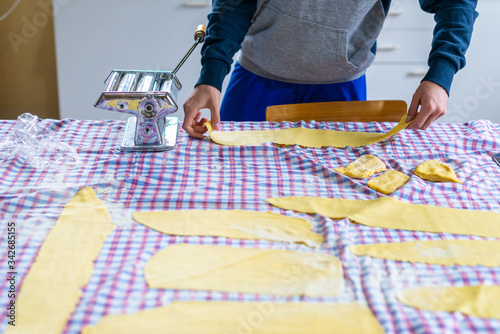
(119, 103)
(480, 300)
(363, 167)
(236, 317)
(433, 170)
(239, 224)
(388, 182)
(222, 268)
(388, 212)
(51, 289)
(302, 136)
(443, 252)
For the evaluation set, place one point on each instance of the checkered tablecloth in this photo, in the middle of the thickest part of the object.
(199, 174)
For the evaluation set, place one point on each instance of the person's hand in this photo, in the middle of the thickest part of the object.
(203, 96)
(433, 100)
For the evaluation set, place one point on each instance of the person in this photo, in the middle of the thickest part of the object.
(296, 51)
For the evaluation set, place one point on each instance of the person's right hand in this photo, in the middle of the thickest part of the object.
(203, 96)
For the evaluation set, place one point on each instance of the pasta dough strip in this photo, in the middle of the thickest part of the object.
(302, 136)
(237, 317)
(388, 212)
(480, 300)
(239, 224)
(51, 289)
(443, 252)
(246, 270)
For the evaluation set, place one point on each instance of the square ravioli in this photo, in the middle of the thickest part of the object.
(388, 182)
(363, 167)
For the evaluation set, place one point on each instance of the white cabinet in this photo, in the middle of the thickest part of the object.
(394, 81)
(401, 62)
(403, 46)
(93, 37)
(404, 14)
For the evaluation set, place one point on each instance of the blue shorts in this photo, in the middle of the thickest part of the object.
(248, 95)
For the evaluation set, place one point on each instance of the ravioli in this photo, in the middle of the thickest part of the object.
(388, 182)
(436, 171)
(363, 167)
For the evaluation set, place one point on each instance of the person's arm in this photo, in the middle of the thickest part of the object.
(452, 35)
(227, 26)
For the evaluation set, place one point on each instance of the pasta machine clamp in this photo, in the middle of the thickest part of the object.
(150, 96)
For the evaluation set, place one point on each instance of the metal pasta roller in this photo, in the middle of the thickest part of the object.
(150, 96)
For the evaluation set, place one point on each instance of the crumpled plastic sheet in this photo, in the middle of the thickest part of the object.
(37, 145)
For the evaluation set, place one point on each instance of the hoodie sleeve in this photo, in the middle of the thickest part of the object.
(228, 24)
(452, 34)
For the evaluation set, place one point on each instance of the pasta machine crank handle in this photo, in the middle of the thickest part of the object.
(199, 37)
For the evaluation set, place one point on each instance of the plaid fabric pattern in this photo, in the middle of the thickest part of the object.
(199, 174)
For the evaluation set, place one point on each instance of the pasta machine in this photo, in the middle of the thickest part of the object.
(150, 96)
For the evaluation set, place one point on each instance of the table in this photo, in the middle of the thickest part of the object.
(199, 174)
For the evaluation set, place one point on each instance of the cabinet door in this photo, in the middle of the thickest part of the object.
(475, 92)
(403, 46)
(394, 82)
(93, 37)
(407, 14)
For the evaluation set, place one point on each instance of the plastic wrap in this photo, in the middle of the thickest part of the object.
(37, 145)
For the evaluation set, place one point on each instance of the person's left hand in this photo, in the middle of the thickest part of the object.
(433, 100)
